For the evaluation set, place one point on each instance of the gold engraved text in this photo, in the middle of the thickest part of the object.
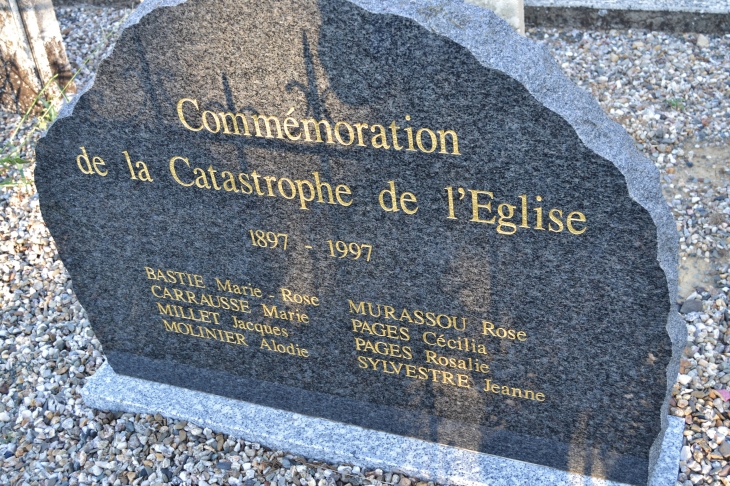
(488, 329)
(462, 343)
(465, 364)
(311, 130)
(174, 277)
(512, 391)
(291, 348)
(412, 316)
(414, 372)
(204, 332)
(385, 349)
(284, 315)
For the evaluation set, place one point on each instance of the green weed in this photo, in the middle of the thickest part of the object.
(676, 103)
(11, 152)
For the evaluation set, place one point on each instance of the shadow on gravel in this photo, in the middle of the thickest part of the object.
(710, 169)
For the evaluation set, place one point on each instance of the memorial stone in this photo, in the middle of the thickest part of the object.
(394, 215)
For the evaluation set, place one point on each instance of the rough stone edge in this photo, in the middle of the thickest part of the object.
(495, 45)
(667, 467)
(334, 442)
(144, 8)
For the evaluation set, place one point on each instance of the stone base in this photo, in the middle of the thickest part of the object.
(585, 18)
(341, 443)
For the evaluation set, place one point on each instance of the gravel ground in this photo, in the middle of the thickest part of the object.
(671, 92)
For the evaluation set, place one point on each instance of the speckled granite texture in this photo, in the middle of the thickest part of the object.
(341, 443)
(703, 6)
(154, 197)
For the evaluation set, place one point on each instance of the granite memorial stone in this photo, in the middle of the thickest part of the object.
(395, 215)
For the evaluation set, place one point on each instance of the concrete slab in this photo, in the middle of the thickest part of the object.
(696, 6)
(336, 442)
(678, 16)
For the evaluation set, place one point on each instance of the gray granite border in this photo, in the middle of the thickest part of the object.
(335, 442)
(495, 45)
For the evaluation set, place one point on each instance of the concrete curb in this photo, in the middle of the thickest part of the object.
(575, 14)
(322, 439)
(586, 18)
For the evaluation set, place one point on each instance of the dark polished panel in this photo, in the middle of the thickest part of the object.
(502, 295)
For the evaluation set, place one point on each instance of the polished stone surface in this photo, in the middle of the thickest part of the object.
(581, 319)
(325, 440)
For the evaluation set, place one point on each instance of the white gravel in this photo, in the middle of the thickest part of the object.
(668, 91)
